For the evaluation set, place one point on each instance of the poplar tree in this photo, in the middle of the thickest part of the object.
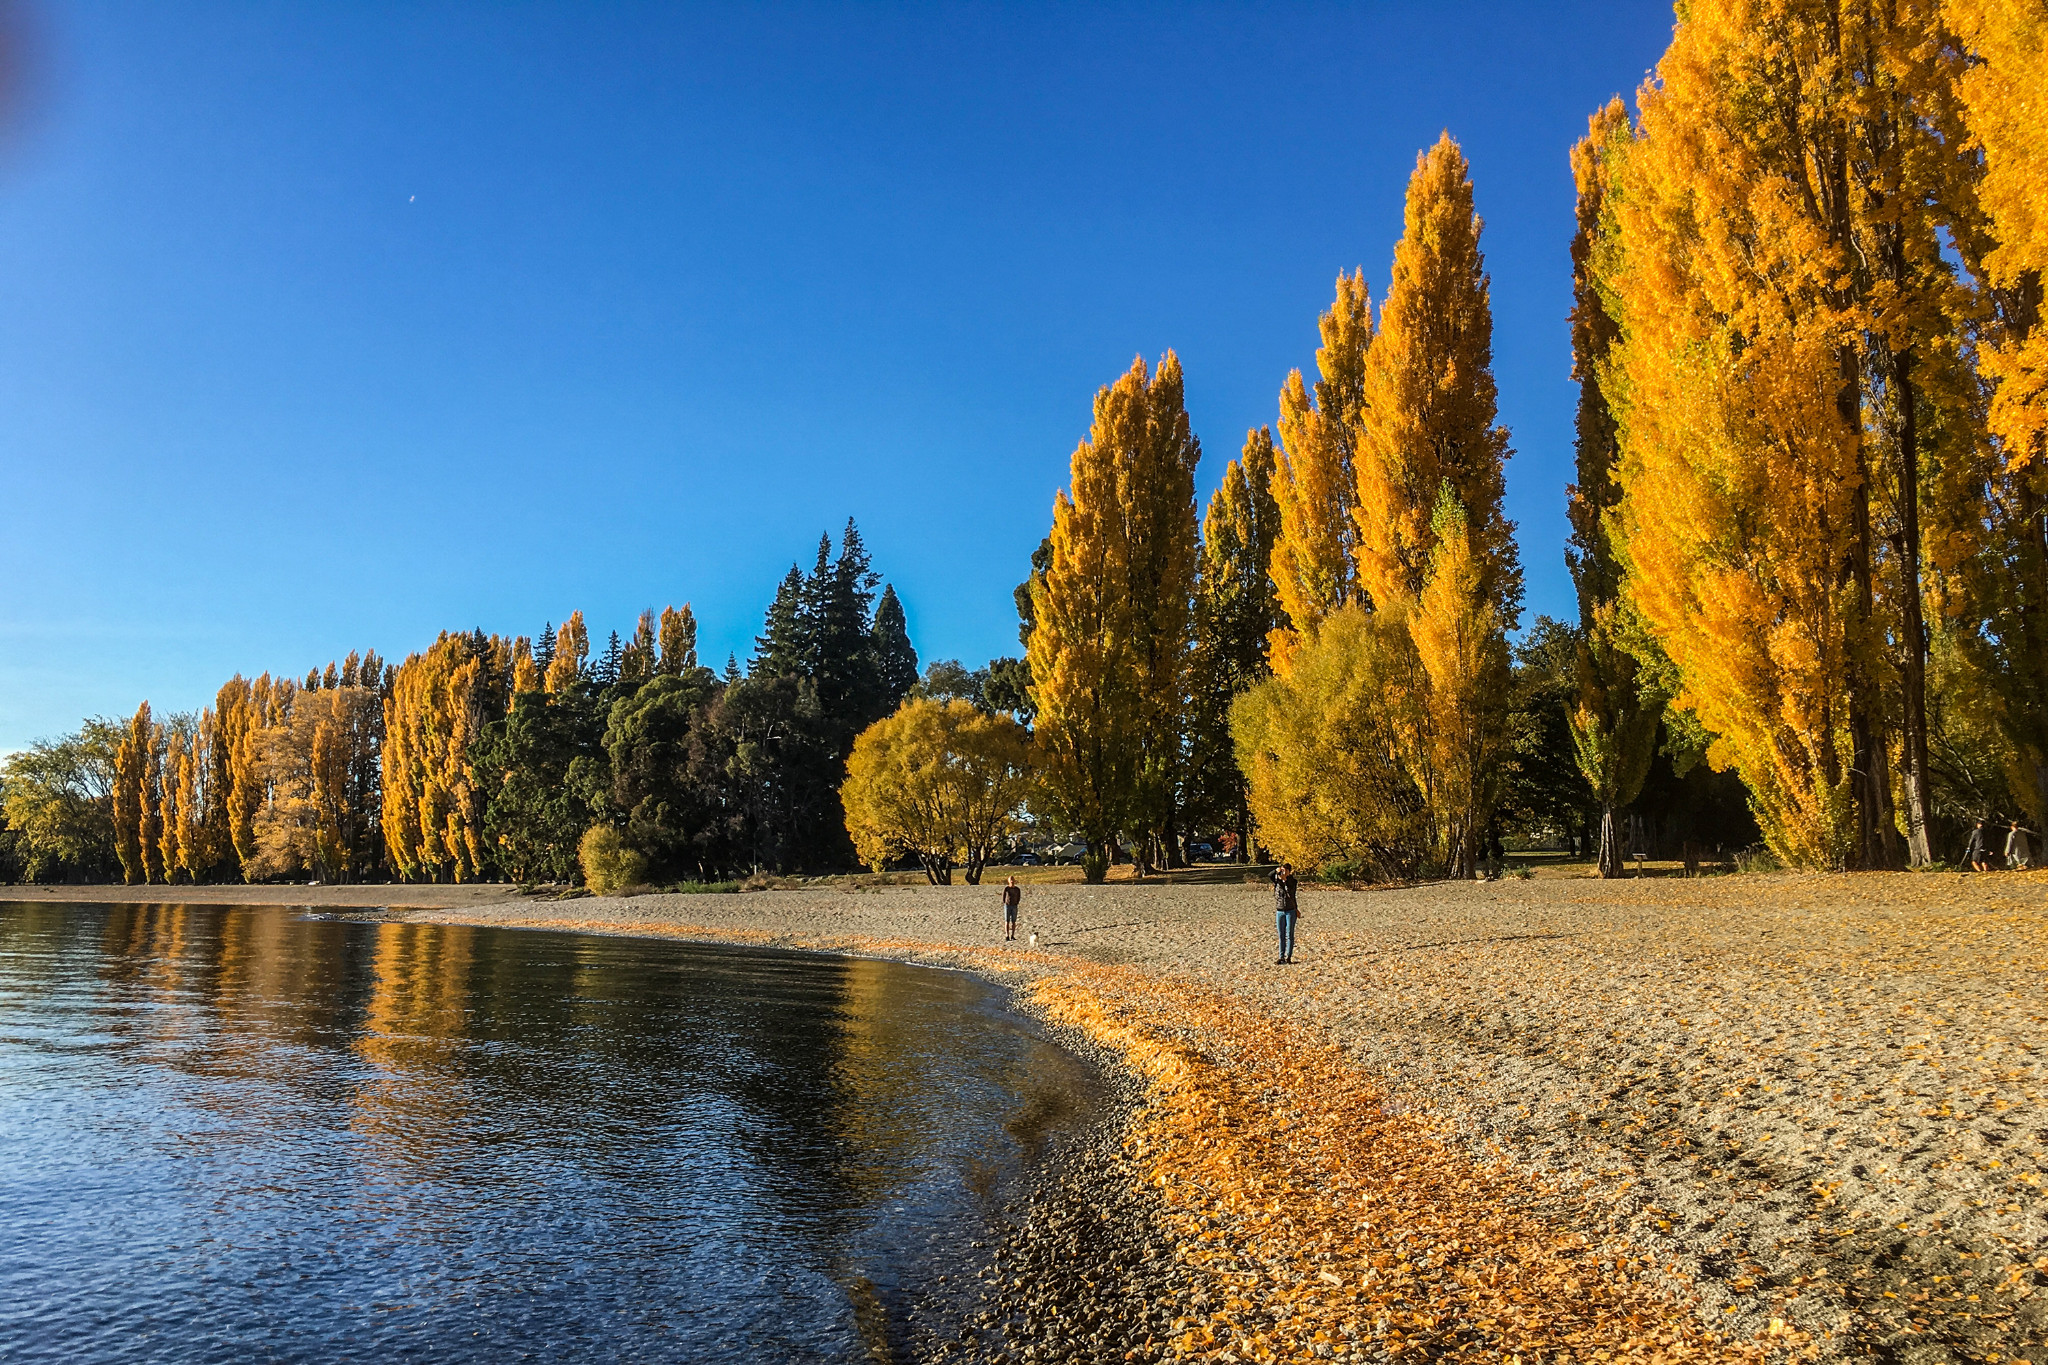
(1315, 486)
(526, 671)
(440, 701)
(1165, 547)
(131, 778)
(1084, 672)
(1237, 613)
(678, 640)
(1787, 319)
(1430, 463)
(232, 716)
(2001, 232)
(1427, 415)
(1112, 636)
(1613, 723)
(566, 665)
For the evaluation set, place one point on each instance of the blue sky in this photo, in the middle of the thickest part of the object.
(324, 327)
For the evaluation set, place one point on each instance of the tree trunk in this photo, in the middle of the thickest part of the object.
(1095, 862)
(1171, 838)
(1914, 628)
(1610, 845)
(1876, 845)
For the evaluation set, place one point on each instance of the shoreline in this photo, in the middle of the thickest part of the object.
(1711, 1119)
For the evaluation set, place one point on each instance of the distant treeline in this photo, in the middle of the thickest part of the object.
(487, 757)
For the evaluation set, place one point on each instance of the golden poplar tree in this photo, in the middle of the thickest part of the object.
(1613, 722)
(1787, 325)
(1237, 614)
(1460, 636)
(1430, 461)
(1427, 416)
(174, 747)
(525, 672)
(2002, 234)
(1163, 537)
(1314, 484)
(678, 639)
(195, 856)
(152, 831)
(131, 778)
(433, 804)
(232, 775)
(1085, 666)
(572, 652)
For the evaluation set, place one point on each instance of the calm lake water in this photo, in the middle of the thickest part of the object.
(251, 1133)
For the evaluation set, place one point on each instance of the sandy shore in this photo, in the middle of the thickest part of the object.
(1553, 1118)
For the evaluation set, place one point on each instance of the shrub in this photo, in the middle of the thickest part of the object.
(610, 865)
(1757, 858)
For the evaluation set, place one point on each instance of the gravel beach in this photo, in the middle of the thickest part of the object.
(1811, 1107)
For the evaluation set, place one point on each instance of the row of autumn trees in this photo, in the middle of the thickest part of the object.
(1328, 651)
(1807, 533)
(489, 757)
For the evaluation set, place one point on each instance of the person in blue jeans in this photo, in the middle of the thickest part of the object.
(1286, 910)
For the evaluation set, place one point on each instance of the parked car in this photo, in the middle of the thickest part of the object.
(1027, 859)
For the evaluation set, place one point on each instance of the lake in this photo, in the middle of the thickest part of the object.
(259, 1133)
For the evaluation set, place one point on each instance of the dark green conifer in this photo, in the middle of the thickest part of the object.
(895, 659)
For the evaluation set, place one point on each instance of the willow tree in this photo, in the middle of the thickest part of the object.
(1315, 488)
(1787, 319)
(1430, 461)
(1237, 612)
(939, 781)
(1110, 647)
(1613, 723)
(1327, 750)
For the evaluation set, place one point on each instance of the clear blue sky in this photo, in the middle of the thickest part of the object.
(324, 327)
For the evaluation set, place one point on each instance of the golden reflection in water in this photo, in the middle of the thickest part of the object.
(879, 1068)
(148, 950)
(263, 977)
(413, 1031)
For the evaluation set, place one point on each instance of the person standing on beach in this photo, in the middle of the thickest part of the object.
(2019, 854)
(1974, 856)
(1013, 897)
(1286, 910)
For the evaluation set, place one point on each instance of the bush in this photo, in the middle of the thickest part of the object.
(1757, 858)
(609, 864)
